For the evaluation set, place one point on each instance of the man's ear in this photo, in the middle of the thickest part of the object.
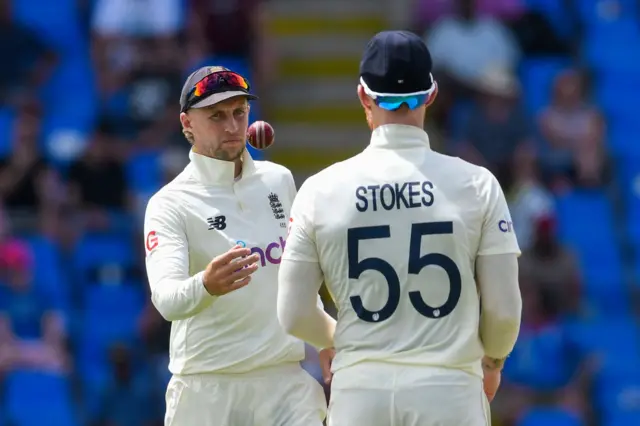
(365, 100)
(433, 95)
(185, 121)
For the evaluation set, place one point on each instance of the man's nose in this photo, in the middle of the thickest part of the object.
(233, 125)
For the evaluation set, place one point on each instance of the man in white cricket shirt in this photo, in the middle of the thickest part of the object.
(214, 240)
(407, 241)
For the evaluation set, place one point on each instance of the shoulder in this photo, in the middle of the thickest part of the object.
(271, 168)
(167, 201)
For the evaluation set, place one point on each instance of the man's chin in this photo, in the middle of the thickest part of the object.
(230, 153)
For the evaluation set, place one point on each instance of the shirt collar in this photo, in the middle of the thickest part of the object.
(212, 171)
(395, 136)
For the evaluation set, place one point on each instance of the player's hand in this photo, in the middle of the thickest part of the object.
(230, 271)
(492, 383)
(326, 358)
(492, 369)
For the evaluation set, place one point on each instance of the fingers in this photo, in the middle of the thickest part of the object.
(326, 358)
(239, 264)
(238, 284)
(234, 253)
(243, 272)
(327, 375)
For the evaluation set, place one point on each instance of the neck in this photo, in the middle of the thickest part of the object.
(238, 167)
(406, 120)
(237, 162)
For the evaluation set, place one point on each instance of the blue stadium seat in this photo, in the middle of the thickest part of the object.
(537, 75)
(7, 117)
(615, 341)
(614, 94)
(543, 359)
(623, 137)
(110, 316)
(48, 273)
(99, 250)
(144, 172)
(549, 416)
(586, 224)
(37, 398)
(618, 394)
(605, 45)
(56, 22)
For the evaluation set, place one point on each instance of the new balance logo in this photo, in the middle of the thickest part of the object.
(276, 206)
(218, 223)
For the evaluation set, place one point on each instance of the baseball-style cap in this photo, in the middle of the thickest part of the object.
(396, 69)
(209, 85)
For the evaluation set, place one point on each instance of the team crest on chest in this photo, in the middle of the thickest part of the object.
(276, 208)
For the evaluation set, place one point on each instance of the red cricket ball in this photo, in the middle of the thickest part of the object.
(260, 135)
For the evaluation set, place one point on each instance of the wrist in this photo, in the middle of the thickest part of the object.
(492, 364)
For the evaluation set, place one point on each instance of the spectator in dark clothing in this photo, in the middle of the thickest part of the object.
(496, 125)
(552, 268)
(27, 62)
(233, 29)
(97, 180)
(129, 399)
(27, 183)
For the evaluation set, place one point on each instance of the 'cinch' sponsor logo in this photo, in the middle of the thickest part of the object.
(271, 254)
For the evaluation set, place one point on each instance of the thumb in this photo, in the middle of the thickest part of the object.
(325, 365)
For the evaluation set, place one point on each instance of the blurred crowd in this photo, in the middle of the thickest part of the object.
(89, 131)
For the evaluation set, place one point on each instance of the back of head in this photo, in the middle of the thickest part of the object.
(396, 84)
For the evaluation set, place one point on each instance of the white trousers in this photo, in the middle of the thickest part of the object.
(276, 396)
(379, 394)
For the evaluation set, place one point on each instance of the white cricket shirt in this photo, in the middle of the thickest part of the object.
(396, 231)
(201, 214)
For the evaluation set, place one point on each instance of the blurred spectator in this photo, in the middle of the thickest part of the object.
(155, 332)
(31, 328)
(497, 126)
(143, 108)
(123, 31)
(27, 61)
(97, 180)
(574, 131)
(463, 46)
(235, 34)
(552, 268)
(26, 181)
(429, 11)
(128, 399)
(528, 198)
(545, 368)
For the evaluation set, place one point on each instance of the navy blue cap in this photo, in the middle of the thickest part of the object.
(396, 63)
(198, 75)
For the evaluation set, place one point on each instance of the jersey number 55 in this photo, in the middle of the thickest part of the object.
(416, 263)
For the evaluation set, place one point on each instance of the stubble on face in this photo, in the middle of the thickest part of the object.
(220, 130)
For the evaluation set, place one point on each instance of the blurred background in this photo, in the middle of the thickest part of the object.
(542, 92)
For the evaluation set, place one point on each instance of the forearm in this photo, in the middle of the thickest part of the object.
(501, 304)
(180, 299)
(299, 312)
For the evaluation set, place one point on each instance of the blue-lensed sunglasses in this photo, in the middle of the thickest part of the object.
(392, 102)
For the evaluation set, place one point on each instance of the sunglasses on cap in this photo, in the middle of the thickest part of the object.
(392, 102)
(217, 82)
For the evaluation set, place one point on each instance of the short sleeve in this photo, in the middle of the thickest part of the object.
(301, 244)
(498, 235)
